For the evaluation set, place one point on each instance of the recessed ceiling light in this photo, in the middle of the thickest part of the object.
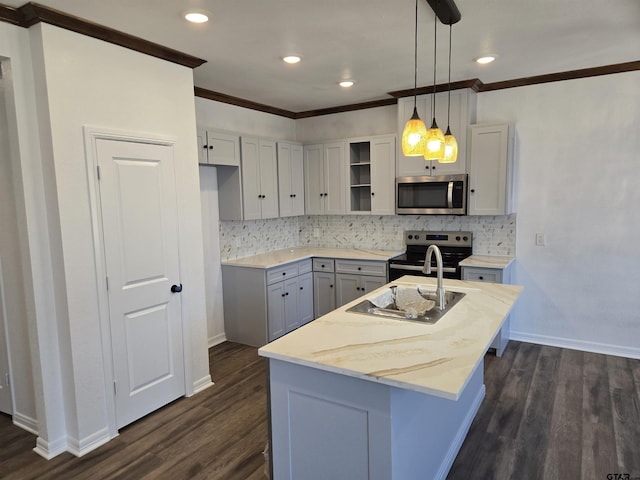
(291, 59)
(346, 83)
(196, 16)
(485, 59)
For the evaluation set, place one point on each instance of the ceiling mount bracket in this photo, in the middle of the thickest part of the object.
(446, 11)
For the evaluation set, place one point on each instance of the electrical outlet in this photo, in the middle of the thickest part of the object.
(316, 233)
(540, 239)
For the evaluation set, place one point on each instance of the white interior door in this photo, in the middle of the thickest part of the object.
(139, 216)
(6, 402)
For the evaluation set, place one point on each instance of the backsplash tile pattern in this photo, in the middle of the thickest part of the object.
(491, 235)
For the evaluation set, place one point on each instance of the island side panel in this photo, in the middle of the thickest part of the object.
(428, 431)
(325, 425)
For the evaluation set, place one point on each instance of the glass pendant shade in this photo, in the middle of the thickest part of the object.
(450, 148)
(414, 136)
(435, 143)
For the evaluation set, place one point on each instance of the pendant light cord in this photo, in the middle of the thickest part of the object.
(449, 90)
(415, 61)
(435, 43)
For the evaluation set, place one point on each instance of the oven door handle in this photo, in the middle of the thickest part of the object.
(450, 195)
(416, 268)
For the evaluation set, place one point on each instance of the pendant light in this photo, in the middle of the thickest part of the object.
(415, 131)
(450, 142)
(435, 137)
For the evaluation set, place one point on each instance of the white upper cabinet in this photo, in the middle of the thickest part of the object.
(463, 113)
(324, 184)
(218, 148)
(491, 169)
(290, 179)
(259, 178)
(371, 175)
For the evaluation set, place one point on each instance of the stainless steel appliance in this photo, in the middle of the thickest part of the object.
(454, 246)
(438, 195)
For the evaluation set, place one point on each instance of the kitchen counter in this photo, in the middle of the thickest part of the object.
(287, 255)
(433, 359)
(487, 261)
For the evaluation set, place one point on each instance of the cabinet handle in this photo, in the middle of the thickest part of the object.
(287, 293)
(359, 268)
(481, 277)
(373, 194)
(210, 147)
(330, 286)
(282, 295)
(205, 146)
(322, 265)
(473, 190)
(301, 288)
(284, 273)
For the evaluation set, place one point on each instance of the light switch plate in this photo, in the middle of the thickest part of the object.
(540, 239)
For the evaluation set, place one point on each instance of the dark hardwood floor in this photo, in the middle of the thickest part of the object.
(549, 413)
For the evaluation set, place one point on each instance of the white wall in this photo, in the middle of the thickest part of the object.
(83, 81)
(358, 123)
(579, 170)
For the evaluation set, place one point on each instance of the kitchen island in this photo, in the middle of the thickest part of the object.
(355, 396)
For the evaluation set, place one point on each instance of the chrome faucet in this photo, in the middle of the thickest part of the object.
(427, 270)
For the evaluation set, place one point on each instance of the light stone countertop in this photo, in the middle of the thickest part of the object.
(433, 359)
(486, 261)
(294, 254)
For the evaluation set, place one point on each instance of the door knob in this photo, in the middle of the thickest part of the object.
(176, 288)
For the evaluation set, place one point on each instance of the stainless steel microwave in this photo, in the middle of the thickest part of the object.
(441, 195)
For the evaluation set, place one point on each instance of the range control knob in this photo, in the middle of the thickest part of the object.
(458, 238)
(465, 238)
(410, 237)
(417, 237)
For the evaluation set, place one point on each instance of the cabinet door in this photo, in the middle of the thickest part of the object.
(276, 310)
(324, 297)
(314, 179)
(347, 288)
(268, 179)
(305, 298)
(488, 167)
(203, 147)
(224, 149)
(251, 178)
(369, 283)
(334, 178)
(297, 180)
(291, 318)
(284, 179)
(383, 174)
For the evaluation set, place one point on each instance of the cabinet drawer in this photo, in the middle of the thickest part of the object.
(323, 265)
(492, 275)
(378, 269)
(282, 273)
(305, 266)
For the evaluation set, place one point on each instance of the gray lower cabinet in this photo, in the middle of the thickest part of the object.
(491, 275)
(261, 305)
(354, 278)
(324, 292)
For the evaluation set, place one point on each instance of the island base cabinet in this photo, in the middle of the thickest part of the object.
(326, 425)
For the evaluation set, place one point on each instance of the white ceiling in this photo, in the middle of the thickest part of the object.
(369, 41)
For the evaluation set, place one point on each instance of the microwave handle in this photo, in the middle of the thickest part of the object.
(450, 195)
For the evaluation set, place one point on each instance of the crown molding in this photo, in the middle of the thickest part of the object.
(30, 14)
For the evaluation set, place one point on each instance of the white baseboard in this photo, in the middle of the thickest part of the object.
(85, 445)
(48, 450)
(217, 339)
(447, 462)
(202, 384)
(26, 423)
(571, 344)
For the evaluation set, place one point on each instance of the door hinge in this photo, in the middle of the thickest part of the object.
(115, 388)
(98, 169)
(107, 280)
(7, 378)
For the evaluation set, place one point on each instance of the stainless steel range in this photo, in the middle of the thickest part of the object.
(454, 246)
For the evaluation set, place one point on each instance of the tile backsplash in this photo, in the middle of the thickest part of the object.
(491, 235)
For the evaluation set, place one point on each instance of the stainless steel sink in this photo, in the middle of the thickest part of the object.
(384, 305)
